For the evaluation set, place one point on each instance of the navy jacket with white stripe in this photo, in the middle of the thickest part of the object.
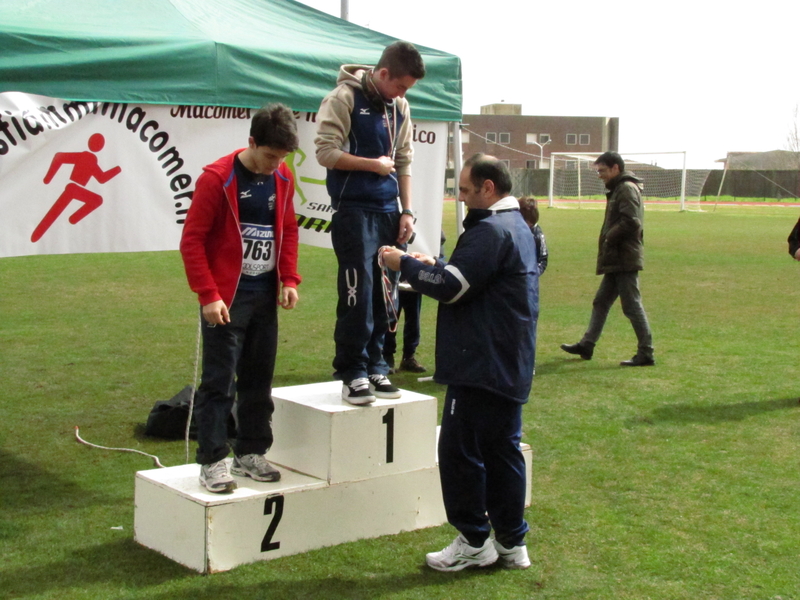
(489, 304)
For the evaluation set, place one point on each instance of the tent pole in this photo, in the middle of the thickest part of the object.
(457, 164)
(345, 10)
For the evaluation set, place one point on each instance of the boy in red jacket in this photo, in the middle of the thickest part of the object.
(239, 249)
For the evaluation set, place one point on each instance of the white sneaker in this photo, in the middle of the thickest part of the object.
(215, 477)
(357, 392)
(513, 558)
(460, 555)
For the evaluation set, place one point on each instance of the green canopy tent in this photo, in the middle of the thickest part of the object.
(198, 52)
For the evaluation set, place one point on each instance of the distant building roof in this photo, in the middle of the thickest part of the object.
(774, 160)
(501, 109)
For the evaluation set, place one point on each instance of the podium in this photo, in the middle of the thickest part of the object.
(347, 473)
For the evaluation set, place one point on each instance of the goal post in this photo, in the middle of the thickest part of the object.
(665, 180)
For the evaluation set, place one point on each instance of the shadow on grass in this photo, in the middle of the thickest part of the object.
(123, 567)
(27, 486)
(719, 413)
(569, 364)
(366, 587)
(120, 563)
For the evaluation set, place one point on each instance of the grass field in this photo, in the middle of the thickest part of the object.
(673, 482)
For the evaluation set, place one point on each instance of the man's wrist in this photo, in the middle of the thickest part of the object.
(407, 211)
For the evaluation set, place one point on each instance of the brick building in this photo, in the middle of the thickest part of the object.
(527, 141)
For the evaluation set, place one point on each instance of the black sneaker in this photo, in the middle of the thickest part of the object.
(411, 365)
(382, 387)
(583, 350)
(639, 361)
(357, 392)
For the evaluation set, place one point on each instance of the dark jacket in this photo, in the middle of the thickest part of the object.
(489, 304)
(621, 243)
(794, 239)
(541, 247)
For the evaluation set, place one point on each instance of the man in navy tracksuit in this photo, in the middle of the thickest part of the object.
(364, 139)
(485, 346)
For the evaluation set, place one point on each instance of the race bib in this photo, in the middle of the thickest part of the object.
(258, 251)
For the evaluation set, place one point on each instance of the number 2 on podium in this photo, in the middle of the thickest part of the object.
(277, 502)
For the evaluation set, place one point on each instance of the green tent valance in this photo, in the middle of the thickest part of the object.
(199, 52)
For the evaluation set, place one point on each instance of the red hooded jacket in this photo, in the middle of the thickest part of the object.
(211, 244)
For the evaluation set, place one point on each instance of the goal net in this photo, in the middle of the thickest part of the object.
(666, 181)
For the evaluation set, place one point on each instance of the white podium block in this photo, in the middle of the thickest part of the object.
(348, 473)
(319, 434)
(207, 532)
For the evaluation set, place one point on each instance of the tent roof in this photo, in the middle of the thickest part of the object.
(207, 52)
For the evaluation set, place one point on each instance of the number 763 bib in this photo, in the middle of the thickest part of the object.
(258, 249)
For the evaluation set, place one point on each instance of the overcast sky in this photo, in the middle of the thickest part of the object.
(703, 76)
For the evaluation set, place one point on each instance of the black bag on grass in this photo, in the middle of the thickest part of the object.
(168, 418)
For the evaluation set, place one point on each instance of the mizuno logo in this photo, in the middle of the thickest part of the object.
(364, 111)
(245, 194)
(255, 232)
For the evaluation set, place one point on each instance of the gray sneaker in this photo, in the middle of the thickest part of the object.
(256, 467)
(215, 478)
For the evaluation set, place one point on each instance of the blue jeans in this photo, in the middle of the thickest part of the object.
(361, 319)
(481, 466)
(624, 286)
(238, 363)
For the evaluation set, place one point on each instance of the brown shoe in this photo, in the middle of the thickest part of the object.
(411, 365)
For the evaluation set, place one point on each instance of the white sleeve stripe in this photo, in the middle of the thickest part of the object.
(464, 283)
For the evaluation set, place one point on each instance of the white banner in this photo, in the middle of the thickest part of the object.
(105, 177)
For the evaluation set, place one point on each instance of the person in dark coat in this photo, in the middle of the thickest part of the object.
(620, 257)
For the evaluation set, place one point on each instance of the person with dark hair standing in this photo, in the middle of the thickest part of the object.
(239, 249)
(488, 297)
(364, 139)
(620, 258)
(529, 209)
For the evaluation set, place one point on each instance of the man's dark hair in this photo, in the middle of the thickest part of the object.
(609, 159)
(483, 167)
(529, 210)
(274, 126)
(402, 59)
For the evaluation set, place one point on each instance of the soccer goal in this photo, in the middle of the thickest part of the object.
(666, 181)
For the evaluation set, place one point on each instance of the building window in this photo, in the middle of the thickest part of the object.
(507, 163)
(505, 138)
(491, 137)
(464, 137)
(531, 164)
(544, 138)
(572, 139)
(584, 139)
(530, 138)
(571, 164)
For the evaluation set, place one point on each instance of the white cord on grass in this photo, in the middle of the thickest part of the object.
(83, 441)
(194, 384)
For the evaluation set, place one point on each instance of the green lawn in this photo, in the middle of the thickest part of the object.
(673, 482)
